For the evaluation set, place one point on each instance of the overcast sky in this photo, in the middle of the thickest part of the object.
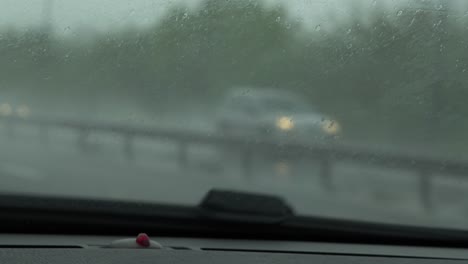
(110, 13)
(97, 14)
(69, 15)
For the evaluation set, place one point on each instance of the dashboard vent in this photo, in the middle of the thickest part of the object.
(180, 248)
(253, 250)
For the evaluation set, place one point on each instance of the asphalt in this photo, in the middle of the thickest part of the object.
(57, 165)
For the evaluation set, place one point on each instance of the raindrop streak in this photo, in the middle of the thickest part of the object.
(278, 19)
(318, 27)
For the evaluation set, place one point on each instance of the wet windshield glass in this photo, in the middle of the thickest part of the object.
(349, 109)
(282, 105)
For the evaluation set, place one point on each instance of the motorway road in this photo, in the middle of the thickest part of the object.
(59, 166)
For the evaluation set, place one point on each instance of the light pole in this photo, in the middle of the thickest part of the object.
(439, 78)
(440, 69)
(47, 8)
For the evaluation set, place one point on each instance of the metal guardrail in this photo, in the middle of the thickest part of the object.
(425, 168)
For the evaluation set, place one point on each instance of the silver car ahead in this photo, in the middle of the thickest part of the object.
(271, 114)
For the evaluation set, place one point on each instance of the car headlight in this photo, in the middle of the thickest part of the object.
(331, 127)
(23, 111)
(284, 123)
(5, 109)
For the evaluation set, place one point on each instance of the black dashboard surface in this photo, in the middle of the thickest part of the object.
(81, 256)
(91, 249)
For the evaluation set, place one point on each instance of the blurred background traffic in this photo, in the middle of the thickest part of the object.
(388, 71)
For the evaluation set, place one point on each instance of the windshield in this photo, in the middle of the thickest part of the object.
(288, 105)
(126, 100)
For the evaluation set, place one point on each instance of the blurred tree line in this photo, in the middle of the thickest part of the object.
(385, 73)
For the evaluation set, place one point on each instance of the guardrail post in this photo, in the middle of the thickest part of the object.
(326, 172)
(10, 130)
(425, 190)
(82, 136)
(183, 160)
(246, 160)
(44, 133)
(128, 147)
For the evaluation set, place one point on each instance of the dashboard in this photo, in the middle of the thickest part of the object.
(93, 249)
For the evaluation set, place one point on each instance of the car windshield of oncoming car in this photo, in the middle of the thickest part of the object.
(288, 105)
(346, 109)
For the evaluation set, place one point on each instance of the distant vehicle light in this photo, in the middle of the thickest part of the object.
(5, 109)
(282, 168)
(23, 111)
(285, 123)
(331, 127)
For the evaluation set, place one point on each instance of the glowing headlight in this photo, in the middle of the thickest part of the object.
(5, 109)
(284, 123)
(282, 168)
(331, 127)
(23, 111)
